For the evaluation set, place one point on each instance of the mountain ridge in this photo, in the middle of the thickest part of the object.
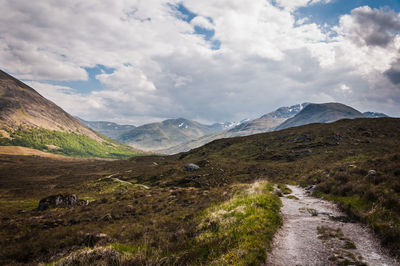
(265, 123)
(30, 120)
(165, 134)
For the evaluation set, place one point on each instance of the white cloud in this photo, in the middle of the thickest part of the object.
(129, 79)
(162, 69)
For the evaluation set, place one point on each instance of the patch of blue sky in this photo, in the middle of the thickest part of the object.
(187, 15)
(86, 86)
(330, 13)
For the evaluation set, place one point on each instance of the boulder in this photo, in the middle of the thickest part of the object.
(192, 167)
(372, 172)
(60, 201)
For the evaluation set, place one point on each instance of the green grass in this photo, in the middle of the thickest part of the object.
(372, 199)
(70, 144)
(124, 248)
(239, 231)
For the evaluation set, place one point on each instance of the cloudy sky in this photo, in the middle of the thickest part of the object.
(139, 61)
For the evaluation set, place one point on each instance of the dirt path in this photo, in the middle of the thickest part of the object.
(315, 232)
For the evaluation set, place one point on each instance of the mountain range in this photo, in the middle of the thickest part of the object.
(284, 117)
(178, 135)
(265, 123)
(168, 133)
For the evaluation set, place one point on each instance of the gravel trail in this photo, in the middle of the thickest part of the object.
(316, 232)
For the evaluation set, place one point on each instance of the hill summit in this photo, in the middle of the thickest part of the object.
(321, 113)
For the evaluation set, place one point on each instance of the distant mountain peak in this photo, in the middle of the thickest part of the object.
(321, 113)
(289, 111)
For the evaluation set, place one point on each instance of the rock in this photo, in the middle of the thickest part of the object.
(106, 218)
(310, 189)
(92, 240)
(302, 139)
(192, 167)
(372, 172)
(60, 201)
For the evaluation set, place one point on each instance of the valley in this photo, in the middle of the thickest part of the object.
(162, 213)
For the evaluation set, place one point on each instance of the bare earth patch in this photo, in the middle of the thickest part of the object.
(311, 236)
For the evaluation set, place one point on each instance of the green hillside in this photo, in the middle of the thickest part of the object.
(64, 143)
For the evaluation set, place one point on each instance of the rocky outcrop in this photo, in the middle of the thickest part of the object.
(60, 201)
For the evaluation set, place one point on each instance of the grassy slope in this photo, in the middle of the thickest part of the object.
(239, 231)
(163, 223)
(235, 232)
(337, 157)
(70, 144)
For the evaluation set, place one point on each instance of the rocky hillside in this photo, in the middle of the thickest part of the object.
(28, 119)
(321, 113)
(108, 129)
(166, 134)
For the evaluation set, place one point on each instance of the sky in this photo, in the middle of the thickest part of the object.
(141, 61)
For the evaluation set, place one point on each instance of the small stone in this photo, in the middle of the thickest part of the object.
(192, 167)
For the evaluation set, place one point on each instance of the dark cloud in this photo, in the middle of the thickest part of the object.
(374, 27)
(393, 74)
